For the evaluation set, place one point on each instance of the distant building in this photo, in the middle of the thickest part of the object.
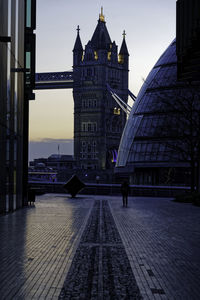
(57, 167)
(55, 162)
(188, 39)
(98, 120)
(17, 78)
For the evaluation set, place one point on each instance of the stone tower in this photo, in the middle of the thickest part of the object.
(98, 120)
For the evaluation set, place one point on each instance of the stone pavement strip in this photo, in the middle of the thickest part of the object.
(93, 248)
(100, 269)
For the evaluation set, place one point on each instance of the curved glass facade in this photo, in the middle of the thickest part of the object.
(147, 141)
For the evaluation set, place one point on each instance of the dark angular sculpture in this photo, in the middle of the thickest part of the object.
(74, 185)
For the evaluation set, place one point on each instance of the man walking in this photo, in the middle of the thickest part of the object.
(125, 190)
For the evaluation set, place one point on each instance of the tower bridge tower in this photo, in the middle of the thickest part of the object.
(98, 120)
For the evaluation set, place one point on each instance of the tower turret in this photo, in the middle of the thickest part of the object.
(123, 53)
(101, 38)
(78, 49)
(113, 53)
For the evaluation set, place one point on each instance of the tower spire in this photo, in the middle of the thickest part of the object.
(123, 53)
(78, 45)
(78, 29)
(124, 49)
(124, 34)
(101, 16)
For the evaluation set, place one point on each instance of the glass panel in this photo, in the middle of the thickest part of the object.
(28, 66)
(128, 136)
(28, 60)
(28, 13)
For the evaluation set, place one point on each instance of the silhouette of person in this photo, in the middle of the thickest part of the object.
(97, 179)
(125, 190)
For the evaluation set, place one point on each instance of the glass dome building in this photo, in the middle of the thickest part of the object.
(147, 152)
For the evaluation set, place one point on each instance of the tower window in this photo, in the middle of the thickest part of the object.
(94, 147)
(89, 126)
(89, 72)
(84, 103)
(94, 126)
(89, 56)
(89, 103)
(84, 126)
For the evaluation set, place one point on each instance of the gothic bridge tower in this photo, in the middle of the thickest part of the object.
(98, 120)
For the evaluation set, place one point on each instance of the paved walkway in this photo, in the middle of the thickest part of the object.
(93, 248)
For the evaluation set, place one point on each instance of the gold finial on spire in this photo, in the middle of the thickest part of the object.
(124, 34)
(101, 16)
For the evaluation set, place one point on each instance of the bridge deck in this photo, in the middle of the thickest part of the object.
(54, 80)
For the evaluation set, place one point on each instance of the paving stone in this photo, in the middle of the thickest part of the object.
(154, 239)
(37, 243)
(162, 241)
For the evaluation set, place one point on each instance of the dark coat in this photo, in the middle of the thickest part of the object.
(125, 188)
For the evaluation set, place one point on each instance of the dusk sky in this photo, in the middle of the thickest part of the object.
(150, 26)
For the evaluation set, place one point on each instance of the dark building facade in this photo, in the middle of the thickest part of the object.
(17, 67)
(98, 120)
(188, 39)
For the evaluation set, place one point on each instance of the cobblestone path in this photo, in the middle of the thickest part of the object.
(162, 241)
(37, 245)
(100, 268)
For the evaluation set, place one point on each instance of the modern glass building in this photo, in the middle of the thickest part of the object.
(17, 77)
(153, 148)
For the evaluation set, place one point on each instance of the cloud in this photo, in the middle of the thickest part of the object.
(51, 140)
